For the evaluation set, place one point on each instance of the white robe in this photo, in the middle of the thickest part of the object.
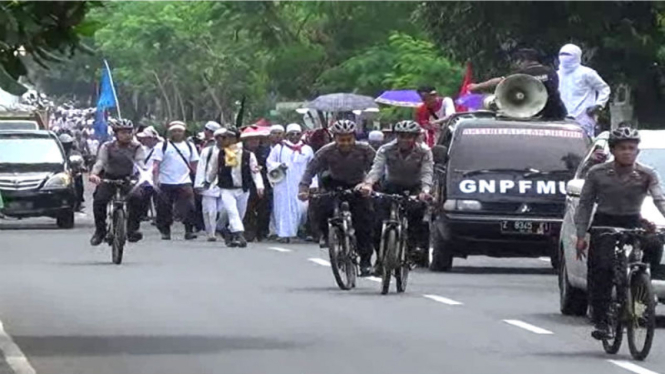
(289, 212)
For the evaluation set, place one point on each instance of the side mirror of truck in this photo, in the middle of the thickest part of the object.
(440, 154)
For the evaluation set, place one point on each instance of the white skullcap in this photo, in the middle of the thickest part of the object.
(220, 131)
(212, 126)
(294, 127)
(375, 136)
(274, 128)
(177, 125)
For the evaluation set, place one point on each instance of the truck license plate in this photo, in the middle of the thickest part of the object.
(524, 227)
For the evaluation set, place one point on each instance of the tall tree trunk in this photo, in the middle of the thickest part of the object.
(179, 101)
(162, 89)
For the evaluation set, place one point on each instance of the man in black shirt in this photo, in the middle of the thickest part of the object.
(526, 62)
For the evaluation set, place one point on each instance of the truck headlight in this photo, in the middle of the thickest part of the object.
(462, 205)
(58, 181)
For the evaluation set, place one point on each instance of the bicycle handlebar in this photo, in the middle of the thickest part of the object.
(117, 182)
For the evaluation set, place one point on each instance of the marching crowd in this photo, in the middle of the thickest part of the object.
(255, 184)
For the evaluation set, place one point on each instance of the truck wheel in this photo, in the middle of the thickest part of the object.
(442, 256)
(65, 219)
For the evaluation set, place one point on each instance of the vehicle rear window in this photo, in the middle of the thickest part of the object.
(29, 149)
(18, 125)
(515, 147)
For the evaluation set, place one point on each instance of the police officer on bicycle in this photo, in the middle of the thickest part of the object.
(346, 162)
(407, 167)
(619, 188)
(117, 160)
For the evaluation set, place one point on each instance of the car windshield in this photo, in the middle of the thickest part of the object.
(22, 149)
(654, 158)
(18, 125)
(536, 149)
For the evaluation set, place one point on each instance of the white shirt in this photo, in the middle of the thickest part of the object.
(93, 146)
(172, 167)
(582, 88)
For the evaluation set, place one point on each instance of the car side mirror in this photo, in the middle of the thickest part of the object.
(574, 187)
(440, 154)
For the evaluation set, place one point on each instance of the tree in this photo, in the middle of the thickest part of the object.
(44, 31)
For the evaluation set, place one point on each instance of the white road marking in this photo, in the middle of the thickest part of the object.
(319, 261)
(631, 367)
(529, 327)
(443, 300)
(13, 354)
(373, 279)
(546, 259)
(278, 249)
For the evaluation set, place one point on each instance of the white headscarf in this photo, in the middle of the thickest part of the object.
(276, 128)
(570, 58)
(375, 136)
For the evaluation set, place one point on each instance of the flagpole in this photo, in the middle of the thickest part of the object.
(117, 103)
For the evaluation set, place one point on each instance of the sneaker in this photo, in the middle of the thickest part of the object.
(284, 240)
(233, 241)
(134, 237)
(166, 234)
(97, 238)
(190, 236)
(365, 271)
(240, 238)
(323, 242)
(601, 332)
(212, 239)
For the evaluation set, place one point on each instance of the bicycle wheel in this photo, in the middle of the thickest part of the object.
(402, 271)
(119, 236)
(350, 259)
(615, 315)
(389, 258)
(338, 263)
(641, 323)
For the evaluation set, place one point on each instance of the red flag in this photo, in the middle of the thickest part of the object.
(464, 89)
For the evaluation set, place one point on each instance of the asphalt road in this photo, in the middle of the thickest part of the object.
(197, 307)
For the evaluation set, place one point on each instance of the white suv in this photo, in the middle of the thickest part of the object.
(573, 272)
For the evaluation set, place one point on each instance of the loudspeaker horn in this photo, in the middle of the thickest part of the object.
(520, 96)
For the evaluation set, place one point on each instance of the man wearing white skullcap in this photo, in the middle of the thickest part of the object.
(208, 133)
(276, 135)
(175, 161)
(211, 198)
(292, 156)
(375, 139)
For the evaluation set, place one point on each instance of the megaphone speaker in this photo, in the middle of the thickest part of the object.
(520, 96)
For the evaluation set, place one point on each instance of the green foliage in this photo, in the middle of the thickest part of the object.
(45, 31)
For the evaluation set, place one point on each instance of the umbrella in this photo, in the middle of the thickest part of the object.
(341, 102)
(471, 101)
(404, 98)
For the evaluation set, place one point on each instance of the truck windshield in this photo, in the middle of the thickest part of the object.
(517, 148)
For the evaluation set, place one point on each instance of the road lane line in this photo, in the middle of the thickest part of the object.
(374, 279)
(631, 367)
(13, 354)
(546, 259)
(529, 327)
(278, 249)
(319, 261)
(443, 300)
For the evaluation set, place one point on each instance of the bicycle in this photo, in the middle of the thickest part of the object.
(394, 242)
(633, 303)
(341, 240)
(116, 235)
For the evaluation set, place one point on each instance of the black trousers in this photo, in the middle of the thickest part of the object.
(362, 213)
(418, 232)
(601, 259)
(180, 195)
(78, 187)
(104, 194)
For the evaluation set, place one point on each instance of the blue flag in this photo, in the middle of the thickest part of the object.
(107, 99)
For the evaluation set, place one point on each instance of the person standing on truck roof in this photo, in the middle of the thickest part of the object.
(583, 91)
(526, 61)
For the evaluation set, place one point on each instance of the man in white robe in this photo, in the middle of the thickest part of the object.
(211, 197)
(293, 156)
